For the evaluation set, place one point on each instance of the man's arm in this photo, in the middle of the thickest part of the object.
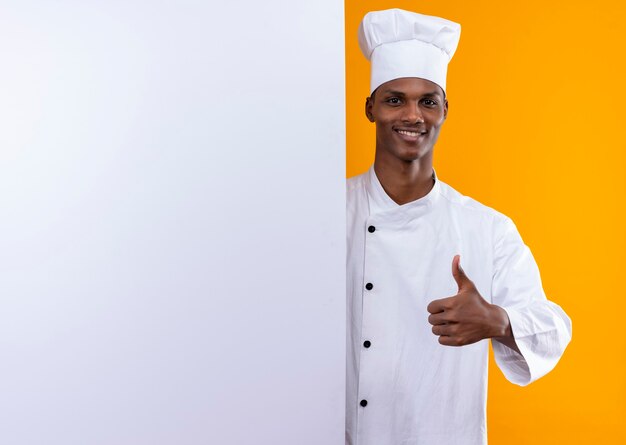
(507, 339)
(541, 328)
(530, 332)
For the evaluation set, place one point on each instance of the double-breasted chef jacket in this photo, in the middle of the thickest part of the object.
(403, 387)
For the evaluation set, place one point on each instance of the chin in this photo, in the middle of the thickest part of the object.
(406, 152)
(414, 155)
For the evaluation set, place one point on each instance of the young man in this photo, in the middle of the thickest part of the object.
(417, 368)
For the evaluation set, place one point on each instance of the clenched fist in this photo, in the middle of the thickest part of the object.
(467, 317)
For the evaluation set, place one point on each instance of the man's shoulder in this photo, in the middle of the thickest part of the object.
(356, 187)
(468, 205)
(356, 182)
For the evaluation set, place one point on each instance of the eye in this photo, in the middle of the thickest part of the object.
(393, 101)
(430, 103)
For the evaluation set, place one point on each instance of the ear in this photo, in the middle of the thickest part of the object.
(369, 103)
(445, 109)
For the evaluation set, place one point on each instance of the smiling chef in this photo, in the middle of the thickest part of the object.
(431, 273)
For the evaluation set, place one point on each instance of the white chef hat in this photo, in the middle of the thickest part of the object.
(401, 43)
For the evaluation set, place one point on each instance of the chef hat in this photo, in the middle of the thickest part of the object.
(401, 43)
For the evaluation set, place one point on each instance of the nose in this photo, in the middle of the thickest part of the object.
(413, 114)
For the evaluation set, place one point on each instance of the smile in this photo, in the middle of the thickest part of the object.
(410, 135)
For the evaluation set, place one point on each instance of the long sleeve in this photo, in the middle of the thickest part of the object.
(542, 330)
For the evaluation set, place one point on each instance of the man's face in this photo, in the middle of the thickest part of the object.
(408, 113)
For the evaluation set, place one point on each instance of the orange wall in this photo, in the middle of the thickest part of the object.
(537, 130)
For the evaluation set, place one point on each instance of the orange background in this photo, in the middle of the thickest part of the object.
(537, 130)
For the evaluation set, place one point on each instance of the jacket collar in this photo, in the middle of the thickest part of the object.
(380, 202)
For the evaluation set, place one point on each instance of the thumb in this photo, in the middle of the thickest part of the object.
(459, 274)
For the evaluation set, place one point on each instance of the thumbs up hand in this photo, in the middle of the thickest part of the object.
(466, 317)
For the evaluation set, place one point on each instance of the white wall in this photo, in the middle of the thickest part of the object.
(172, 222)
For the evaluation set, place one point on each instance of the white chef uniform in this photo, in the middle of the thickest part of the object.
(403, 387)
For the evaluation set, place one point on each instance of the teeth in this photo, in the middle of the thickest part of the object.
(408, 133)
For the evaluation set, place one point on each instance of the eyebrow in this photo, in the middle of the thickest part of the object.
(400, 93)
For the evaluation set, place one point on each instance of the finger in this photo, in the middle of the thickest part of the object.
(437, 306)
(449, 341)
(442, 329)
(441, 318)
(459, 274)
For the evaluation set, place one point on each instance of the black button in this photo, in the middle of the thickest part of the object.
(363, 402)
(367, 343)
(369, 286)
(371, 229)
